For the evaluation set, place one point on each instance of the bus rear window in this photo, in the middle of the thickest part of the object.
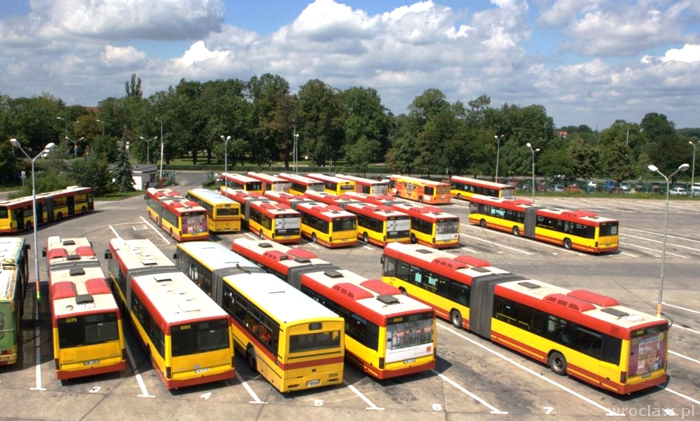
(608, 228)
(195, 338)
(314, 341)
(87, 330)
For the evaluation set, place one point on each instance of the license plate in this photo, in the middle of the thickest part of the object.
(409, 361)
(645, 375)
(91, 362)
(313, 382)
(5, 358)
(201, 370)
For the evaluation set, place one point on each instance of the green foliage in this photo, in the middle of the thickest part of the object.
(123, 176)
(133, 87)
(92, 172)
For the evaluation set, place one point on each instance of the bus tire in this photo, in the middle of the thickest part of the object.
(365, 238)
(482, 223)
(27, 226)
(420, 199)
(403, 291)
(397, 194)
(516, 231)
(567, 243)
(250, 359)
(459, 196)
(313, 237)
(557, 363)
(413, 238)
(83, 210)
(59, 217)
(261, 234)
(456, 319)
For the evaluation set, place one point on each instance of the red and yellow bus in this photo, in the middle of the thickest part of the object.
(580, 333)
(223, 214)
(465, 188)
(380, 225)
(266, 218)
(420, 190)
(269, 181)
(88, 334)
(572, 229)
(430, 225)
(298, 184)
(327, 225)
(187, 337)
(292, 341)
(367, 185)
(387, 334)
(183, 219)
(16, 215)
(333, 185)
(241, 182)
(14, 275)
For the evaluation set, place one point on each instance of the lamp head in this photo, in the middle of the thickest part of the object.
(49, 146)
(653, 168)
(529, 145)
(683, 167)
(15, 143)
(537, 150)
(141, 137)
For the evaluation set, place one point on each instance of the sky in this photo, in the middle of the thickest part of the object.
(589, 62)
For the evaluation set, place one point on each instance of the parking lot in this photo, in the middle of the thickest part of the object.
(473, 379)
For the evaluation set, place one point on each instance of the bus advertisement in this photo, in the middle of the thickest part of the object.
(186, 335)
(572, 229)
(17, 215)
(88, 334)
(420, 190)
(183, 219)
(580, 333)
(223, 214)
(14, 276)
(291, 340)
(387, 333)
(465, 188)
(367, 185)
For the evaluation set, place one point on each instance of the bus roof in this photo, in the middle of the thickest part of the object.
(10, 252)
(329, 211)
(80, 290)
(366, 181)
(479, 182)
(422, 211)
(212, 196)
(214, 256)
(282, 301)
(380, 211)
(139, 256)
(276, 255)
(61, 252)
(299, 178)
(240, 177)
(439, 259)
(268, 178)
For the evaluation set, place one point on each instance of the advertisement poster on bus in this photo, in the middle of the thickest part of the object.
(647, 353)
(194, 223)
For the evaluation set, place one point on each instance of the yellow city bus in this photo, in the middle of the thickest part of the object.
(183, 219)
(269, 181)
(291, 340)
(17, 215)
(430, 226)
(367, 185)
(14, 274)
(267, 218)
(580, 333)
(420, 190)
(333, 185)
(465, 188)
(387, 333)
(88, 334)
(242, 182)
(328, 225)
(380, 225)
(185, 334)
(572, 229)
(223, 214)
(298, 184)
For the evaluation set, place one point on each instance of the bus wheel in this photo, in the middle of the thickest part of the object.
(413, 238)
(420, 200)
(250, 358)
(365, 238)
(567, 244)
(397, 194)
(403, 291)
(459, 196)
(482, 223)
(516, 231)
(456, 319)
(557, 363)
(260, 233)
(28, 226)
(83, 210)
(59, 216)
(313, 237)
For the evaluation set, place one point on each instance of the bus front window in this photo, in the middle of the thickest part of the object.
(344, 224)
(508, 194)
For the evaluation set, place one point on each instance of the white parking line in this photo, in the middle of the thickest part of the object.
(495, 244)
(659, 241)
(660, 234)
(137, 374)
(155, 229)
(655, 251)
(681, 308)
(247, 387)
(493, 409)
(372, 406)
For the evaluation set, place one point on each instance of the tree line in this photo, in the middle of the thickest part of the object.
(263, 118)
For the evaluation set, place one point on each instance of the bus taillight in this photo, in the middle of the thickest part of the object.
(623, 377)
(168, 372)
(381, 362)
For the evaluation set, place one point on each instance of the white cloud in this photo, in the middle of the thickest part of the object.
(688, 54)
(122, 56)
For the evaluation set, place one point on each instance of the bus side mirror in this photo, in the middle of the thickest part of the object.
(27, 246)
(381, 259)
(43, 252)
(175, 256)
(108, 255)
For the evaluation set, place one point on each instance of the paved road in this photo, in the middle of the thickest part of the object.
(473, 379)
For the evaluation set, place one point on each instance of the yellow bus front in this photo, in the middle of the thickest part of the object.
(343, 231)
(607, 237)
(225, 218)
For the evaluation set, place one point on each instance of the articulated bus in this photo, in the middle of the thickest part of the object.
(291, 340)
(182, 218)
(241, 182)
(328, 225)
(16, 215)
(572, 229)
(380, 225)
(430, 226)
(88, 334)
(387, 334)
(223, 214)
(367, 185)
(580, 333)
(333, 185)
(13, 289)
(269, 181)
(465, 188)
(187, 337)
(267, 218)
(298, 184)
(420, 190)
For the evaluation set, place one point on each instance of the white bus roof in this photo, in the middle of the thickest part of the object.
(214, 255)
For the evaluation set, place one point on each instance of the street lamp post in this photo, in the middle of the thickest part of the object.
(148, 147)
(75, 145)
(160, 177)
(654, 168)
(46, 150)
(225, 139)
(65, 122)
(692, 174)
(533, 169)
(103, 126)
(498, 152)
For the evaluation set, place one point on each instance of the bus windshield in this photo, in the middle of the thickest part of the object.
(608, 228)
(226, 211)
(87, 330)
(194, 338)
(398, 226)
(447, 226)
(413, 330)
(345, 224)
(508, 194)
(314, 341)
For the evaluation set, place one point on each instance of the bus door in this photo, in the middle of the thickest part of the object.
(39, 213)
(530, 222)
(50, 208)
(71, 205)
(19, 216)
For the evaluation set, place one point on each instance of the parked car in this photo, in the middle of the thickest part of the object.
(609, 186)
(558, 188)
(678, 191)
(625, 186)
(574, 188)
(695, 190)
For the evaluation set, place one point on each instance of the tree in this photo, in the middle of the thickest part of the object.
(92, 171)
(273, 115)
(367, 120)
(321, 115)
(123, 176)
(133, 87)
